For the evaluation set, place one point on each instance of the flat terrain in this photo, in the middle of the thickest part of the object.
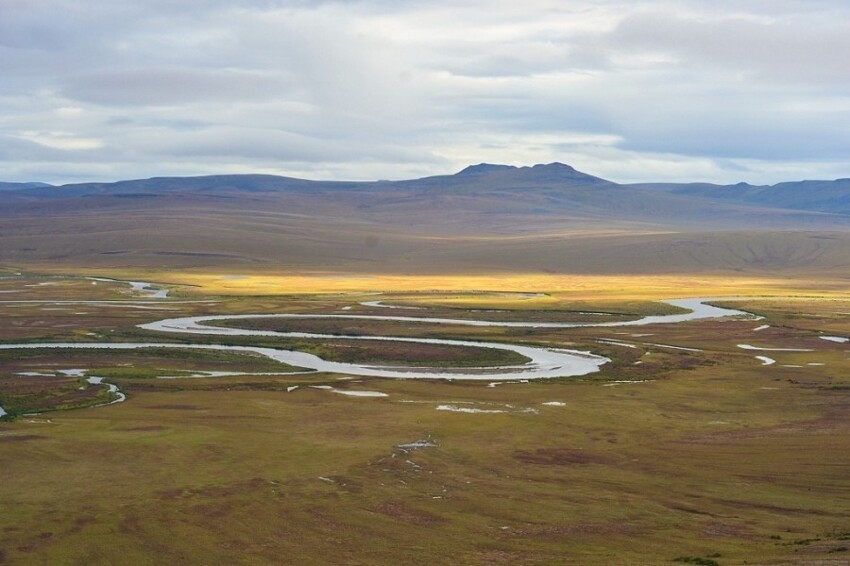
(685, 448)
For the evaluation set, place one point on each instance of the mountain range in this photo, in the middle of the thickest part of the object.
(485, 217)
(19, 186)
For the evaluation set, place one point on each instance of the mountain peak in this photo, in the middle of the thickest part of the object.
(482, 168)
(554, 166)
(542, 172)
(561, 173)
(549, 173)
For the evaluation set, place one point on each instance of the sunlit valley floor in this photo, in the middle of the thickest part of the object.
(722, 440)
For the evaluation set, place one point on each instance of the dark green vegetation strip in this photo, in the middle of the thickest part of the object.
(147, 356)
(23, 395)
(128, 369)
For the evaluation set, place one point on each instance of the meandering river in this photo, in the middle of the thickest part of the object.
(542, 362)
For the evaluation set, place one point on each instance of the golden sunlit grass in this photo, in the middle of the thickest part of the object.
(568, 287)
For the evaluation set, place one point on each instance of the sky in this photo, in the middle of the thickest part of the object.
(649, 90)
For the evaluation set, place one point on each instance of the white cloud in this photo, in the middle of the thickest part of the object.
(654, 89)
(61, 140)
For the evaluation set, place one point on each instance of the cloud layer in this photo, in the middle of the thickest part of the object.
(751, 90)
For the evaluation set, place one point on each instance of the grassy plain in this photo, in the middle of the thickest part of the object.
(701, 454)
(488, 289)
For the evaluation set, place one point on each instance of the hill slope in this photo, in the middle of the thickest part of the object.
(484, 218)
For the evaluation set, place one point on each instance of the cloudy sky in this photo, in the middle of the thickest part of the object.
(716, 90)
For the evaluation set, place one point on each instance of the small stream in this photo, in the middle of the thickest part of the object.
(148, 290)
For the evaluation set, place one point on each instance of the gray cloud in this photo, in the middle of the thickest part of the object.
(141, 87)
(750, 90)
(780, 51)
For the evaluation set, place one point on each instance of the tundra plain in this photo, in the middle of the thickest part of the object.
(684, 448)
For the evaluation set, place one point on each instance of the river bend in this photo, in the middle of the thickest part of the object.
(543, 362)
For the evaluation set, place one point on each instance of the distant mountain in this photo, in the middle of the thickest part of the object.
(210, 184)
(554, 181)
(486, 168)
(486, 217)
(20, 186)
(824, 196)
(480, 176)
(551, 173)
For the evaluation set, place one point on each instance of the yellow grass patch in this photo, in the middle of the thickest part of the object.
(577, 287)
(268, 281)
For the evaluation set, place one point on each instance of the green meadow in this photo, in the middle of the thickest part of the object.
(685, 448)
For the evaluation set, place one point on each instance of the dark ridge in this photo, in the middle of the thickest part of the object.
(539, 189)
(22, 186)
(554, 172)
(485, 168)
(541, 173)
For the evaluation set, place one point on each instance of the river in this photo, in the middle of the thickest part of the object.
(542, 362)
